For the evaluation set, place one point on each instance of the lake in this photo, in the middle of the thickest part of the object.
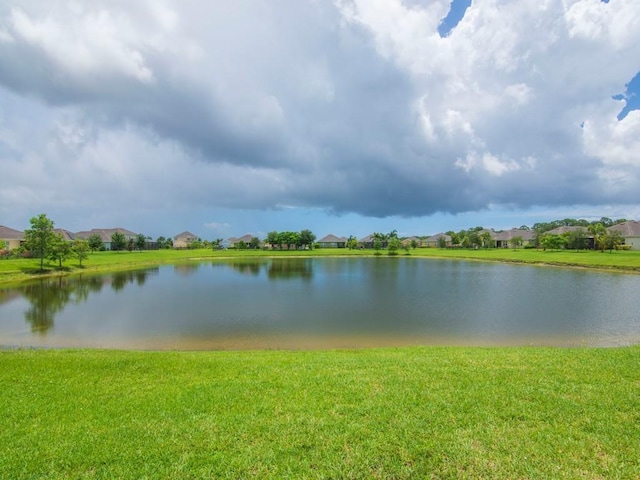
(324, 303)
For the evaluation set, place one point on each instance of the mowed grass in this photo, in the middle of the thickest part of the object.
(17, 270)
(498, 413)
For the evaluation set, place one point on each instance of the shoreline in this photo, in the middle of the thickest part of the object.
(15, 278)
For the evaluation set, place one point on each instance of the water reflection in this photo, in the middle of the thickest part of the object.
(290, 303)
(285, 269)
(276, 268)
(48, 297)
(250, 267)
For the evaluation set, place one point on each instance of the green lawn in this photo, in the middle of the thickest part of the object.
(380, 413)
(24, 269)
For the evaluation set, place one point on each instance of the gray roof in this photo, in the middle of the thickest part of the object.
(630, 228)
(245, 238)
(7, 233)
(105, 233)
(561, 230)
(331, 238)
(66, 234)
(186, 236)
(437, 236)
(513, 233)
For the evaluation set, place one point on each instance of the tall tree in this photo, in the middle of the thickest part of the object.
(576, 239)
(80, 249)
(516, 242)
(486, 240)
(272, 239)
(59, 250)
(95, 242)
(306, 238)
(612, 240)
(118, 241)
(141, 241)
(40, 237)
(254, 243)
(599, 233)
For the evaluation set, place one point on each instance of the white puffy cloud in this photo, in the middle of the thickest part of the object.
(349, 106)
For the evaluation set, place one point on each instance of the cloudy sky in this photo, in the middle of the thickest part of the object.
(342, 116)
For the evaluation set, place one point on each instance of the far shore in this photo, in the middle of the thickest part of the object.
(16, 271)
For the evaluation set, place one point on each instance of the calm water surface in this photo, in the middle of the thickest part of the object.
(327, 302)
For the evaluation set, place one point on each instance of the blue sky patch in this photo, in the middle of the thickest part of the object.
(631, 96)
(456, 13)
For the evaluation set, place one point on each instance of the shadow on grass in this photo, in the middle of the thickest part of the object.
(46, 270)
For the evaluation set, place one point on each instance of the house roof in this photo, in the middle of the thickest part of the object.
(105, 233)
(245, 238)
(7, 233)
(630, 228)
(185, 236)
(331, 238)
(561, 230)
(437, 236)
(66, 234)
(513, 233)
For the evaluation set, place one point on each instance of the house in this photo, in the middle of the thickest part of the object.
(105, 235)
(245, 239)
(10, 238)
(434, 240)
(366, 242)
(505, 238)
(630, 232)
(184, 240)
(331, 241)
(590, 240)
(407, 242)
(65, 234)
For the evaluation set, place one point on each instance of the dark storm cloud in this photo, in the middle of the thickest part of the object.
(348, 106)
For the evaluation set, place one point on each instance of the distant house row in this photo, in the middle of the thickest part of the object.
(10, 238)
(629, 231)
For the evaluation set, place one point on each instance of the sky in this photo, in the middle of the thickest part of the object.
(340, 116)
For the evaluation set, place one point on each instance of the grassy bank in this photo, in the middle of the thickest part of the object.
(387, 413)
(17, 270)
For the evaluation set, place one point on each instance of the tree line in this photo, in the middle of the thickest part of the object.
(42, 242)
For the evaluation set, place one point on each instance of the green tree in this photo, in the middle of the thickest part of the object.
(254, 243)
(141, 241)
(272, 239)
(393, 242)
(216, 244)
(378, 241)
(306, 238)
(131, 245)
(612, 240)
(486, 240)
(441, 242)
(40, 237)
(599, 233)
(80, 248)
(576, 239)
(59, 250)
(516, 242)
(552, 242)
(95, 242)
(352, 242)
(455, 237)
(118, 241)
